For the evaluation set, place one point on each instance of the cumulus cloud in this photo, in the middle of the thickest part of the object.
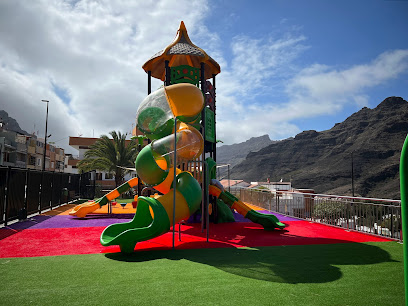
(311, 92)
(85, 57)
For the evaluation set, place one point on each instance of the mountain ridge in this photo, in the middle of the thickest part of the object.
(10, 123)
(370, 138)
(235, 153)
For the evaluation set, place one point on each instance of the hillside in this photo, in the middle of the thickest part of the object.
(322, 160)
(236, 153)
(10, 123)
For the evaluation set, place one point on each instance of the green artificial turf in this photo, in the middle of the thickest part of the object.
(124, 200)
(119, 200)
(331, 274)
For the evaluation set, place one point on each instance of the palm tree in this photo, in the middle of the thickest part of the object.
(110, 155)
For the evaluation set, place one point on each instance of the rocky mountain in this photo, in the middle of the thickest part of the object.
(236, 153)
(371, 139)
(10, 123)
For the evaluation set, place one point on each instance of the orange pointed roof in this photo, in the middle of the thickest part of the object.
(181, 52)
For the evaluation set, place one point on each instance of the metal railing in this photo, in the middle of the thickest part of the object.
(380, 217)
(26, 192)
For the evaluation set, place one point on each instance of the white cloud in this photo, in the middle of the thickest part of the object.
(259, 67)
(93, 50)
(313, 91)
(326, 90)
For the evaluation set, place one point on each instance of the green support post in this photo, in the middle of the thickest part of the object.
(404, 203)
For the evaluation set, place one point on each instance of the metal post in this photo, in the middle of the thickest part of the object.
(26, 190)
(60, 199)
(215, 121)
(7, 195)
(41, 191)
(94, 184)
(174, 180)
(203, 124)
(149, 82)
(180, 223)
(167, 77)
(45, 137)
(44, 153)
(229, 185)
(352, 173)
(79, 186)
(207, 200)
(203, 196)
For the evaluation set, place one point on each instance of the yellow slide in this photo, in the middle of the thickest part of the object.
(83, 209)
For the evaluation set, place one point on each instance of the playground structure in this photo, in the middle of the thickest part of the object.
(179, 119)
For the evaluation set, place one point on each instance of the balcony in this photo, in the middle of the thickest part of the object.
(73, 162)
(31, 150)
(20, 164)
(21, 147)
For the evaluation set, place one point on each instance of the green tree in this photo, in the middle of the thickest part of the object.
(110, 155)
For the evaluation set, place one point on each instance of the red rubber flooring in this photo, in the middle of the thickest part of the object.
(85, 240)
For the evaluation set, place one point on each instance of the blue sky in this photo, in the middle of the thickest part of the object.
(286, 66)
(339, 34)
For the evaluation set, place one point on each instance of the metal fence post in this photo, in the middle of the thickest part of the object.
(7, 196)
(174, 179)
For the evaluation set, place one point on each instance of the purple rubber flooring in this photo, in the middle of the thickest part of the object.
(66, 221)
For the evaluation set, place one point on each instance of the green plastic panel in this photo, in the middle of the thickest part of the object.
(184, 74)
(190, 189)
(209, 125)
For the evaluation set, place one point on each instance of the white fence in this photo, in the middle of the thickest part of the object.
(375, 216)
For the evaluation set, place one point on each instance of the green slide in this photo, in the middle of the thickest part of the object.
(268, 221)
(141, 228)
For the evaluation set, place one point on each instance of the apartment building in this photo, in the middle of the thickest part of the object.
(27, 151)
(82, 144)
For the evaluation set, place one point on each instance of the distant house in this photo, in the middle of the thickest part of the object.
(27, 151)
(234, 185)
(274, 186)
(82, 144)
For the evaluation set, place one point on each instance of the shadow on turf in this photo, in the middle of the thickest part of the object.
(284, 264)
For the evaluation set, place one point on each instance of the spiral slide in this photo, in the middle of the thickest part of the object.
(155, 167)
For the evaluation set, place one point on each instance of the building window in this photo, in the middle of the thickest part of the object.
(6, 157)
(99, 176)
(108, 176)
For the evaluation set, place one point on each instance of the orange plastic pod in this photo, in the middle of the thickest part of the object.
(184, 99)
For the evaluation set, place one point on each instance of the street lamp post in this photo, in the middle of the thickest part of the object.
(46, 126)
